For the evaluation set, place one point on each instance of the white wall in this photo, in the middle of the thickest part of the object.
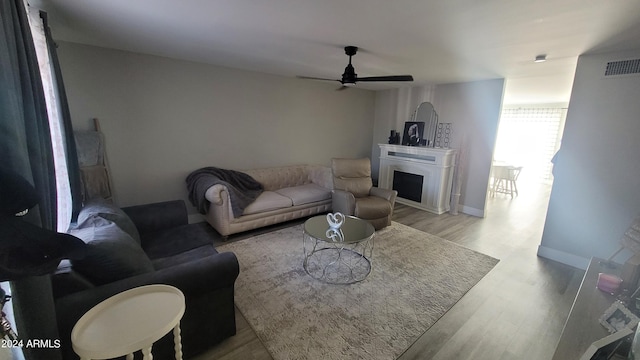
(163, 118)
(473, 108)
(596, 189)
(392, 109)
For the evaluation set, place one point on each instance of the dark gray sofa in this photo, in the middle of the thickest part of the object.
(173, 252)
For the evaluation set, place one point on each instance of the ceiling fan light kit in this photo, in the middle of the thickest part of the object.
(350, 78)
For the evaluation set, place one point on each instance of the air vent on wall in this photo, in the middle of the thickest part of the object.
(623, 67)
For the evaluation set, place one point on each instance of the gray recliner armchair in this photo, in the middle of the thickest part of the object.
(354, 193)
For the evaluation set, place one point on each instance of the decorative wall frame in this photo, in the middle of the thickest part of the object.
(443, 135)
(413, 133)
(618, 317)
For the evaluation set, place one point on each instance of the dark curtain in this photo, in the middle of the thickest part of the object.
(73, 168)
(25, 147)
(24, 128)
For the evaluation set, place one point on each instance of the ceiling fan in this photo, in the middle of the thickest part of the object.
(350, 78)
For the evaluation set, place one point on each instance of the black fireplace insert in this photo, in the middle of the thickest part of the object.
(408, 186)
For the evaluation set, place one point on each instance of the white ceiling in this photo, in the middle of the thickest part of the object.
(436, 41)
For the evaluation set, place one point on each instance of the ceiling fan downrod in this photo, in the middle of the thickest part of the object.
(349, 76)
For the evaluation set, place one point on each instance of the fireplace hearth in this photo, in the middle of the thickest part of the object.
(422, 176)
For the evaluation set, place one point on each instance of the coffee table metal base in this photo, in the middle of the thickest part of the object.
(337, 262)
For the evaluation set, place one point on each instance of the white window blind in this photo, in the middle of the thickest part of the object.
(529, 137)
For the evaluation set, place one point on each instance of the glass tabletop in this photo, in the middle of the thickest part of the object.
(353, 230)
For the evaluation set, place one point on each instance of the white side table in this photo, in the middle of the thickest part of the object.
(130, 321)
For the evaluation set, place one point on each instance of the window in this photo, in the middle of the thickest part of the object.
(529, 137)
(64, 201)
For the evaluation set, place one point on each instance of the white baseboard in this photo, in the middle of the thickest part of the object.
(471, 211)
(563, 257)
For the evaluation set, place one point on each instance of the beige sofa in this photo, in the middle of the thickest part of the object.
(290, 192)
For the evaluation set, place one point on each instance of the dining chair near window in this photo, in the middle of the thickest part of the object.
(504, 179)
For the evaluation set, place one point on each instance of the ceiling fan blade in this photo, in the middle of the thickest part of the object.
(386, 78)
(349, 77)
(315, 78)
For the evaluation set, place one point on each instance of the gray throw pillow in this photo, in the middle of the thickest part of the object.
(108, 211)
(111, 254)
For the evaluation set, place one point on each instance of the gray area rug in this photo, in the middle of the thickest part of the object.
(416, 278)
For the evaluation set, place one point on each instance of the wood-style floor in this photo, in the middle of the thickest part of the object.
(517, 311)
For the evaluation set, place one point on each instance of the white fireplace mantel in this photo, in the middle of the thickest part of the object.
(432, 166)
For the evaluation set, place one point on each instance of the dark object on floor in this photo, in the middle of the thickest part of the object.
(27, 249)
(16, 193)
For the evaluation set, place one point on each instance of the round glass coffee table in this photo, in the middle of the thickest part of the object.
(338, 256)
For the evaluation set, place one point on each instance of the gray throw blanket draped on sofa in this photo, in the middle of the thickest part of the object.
(243, 189)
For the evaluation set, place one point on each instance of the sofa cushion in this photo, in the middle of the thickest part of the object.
(111, 253)
(268, 200)
(359, 187)
(166, 243)
(305, 194)
(275, 178)
(352, 175)
(108, 211)
(351, 168)
(184, 257)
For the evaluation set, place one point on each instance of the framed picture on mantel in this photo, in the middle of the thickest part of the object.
(618, 317)
(413, 133)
